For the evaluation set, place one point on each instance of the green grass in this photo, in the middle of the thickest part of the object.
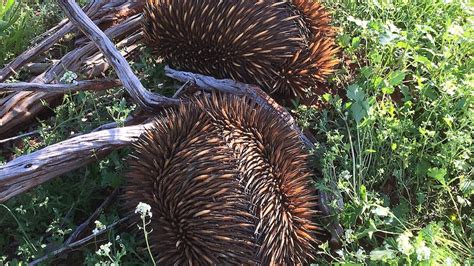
(22, 22)
(398, 146)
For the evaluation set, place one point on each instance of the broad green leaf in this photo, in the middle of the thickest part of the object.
(355, 42)
(438, 174)
(5, 7)
(359, 110)
(396, 78)
(388, 90)
(327, 97)
(366, 71)
(422, 59)
(355, 93)
(363, 193)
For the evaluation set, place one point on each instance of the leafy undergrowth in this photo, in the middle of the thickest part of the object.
(21, 22)
(398, 146)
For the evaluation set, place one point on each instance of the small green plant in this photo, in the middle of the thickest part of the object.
(8, 15)
(399, 145)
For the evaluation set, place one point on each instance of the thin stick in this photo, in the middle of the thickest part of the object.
(29, 134)
(80, 229)
(77, 243)
(208, 83)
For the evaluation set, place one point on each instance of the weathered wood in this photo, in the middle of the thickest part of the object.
(18, 137)
(31, 170)
(19, 108)
(144, 98)
(84, 85)
(96, 65)
(58, 33)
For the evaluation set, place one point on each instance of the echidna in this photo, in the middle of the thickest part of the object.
(188, 177)
(228, 182)
(281, 45)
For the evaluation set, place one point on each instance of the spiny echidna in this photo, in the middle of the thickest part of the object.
(281, 45)
(227, 182)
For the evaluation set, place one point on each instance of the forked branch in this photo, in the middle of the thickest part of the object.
(144, 98)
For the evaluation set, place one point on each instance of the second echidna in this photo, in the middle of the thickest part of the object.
(284, 46)
(228, 182)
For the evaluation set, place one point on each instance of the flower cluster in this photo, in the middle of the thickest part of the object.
(423, 252)
(98, 227)
(104, 250)
(403, 242)
(144, 210)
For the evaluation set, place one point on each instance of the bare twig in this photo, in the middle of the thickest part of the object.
(19, 108)
(86, 85)
(29, 134)
(62, 29)
(78, 243)
(143, 97)
(230, 86)
(80, 229)
(96, 64)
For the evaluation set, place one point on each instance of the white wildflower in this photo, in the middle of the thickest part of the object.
(361, 23)
(423, 252)
(456, 30)
(449, 261)
(403, 242)
(450, 87)
(68, 77)
(463, 201)
(345, 175)
(349, 235)
(104, 249)
(340, 252)
(381, 211)
(382, 254)
(144, 210)
(360, 254)
(98, 227)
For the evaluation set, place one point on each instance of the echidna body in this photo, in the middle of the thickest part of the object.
(187, 176)
(228, 182)
(284, 46)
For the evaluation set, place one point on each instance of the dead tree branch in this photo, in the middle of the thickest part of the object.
(85, 85)
(57, 33)
(144, 98)
(230, 86)
(28, 171)
(79, 243)
(18, 108)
